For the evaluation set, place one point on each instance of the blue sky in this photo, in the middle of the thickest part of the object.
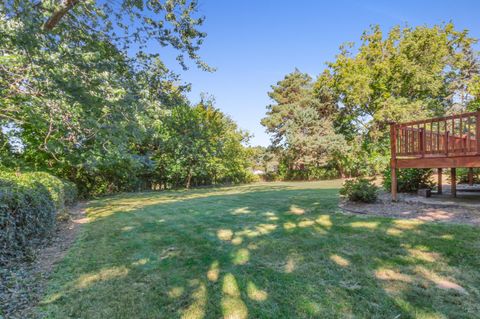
(253, 44)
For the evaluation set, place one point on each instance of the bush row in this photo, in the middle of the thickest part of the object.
(29, 203)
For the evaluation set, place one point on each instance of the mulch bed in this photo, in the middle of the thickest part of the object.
(409, 209)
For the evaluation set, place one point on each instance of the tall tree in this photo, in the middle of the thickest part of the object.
(301, 122)
(294, 91)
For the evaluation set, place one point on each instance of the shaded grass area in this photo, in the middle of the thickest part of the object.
(278, 250)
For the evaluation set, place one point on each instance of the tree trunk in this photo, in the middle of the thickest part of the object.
(189, 178)
(57, 15)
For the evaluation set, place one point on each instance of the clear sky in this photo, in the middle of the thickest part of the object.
(254, 43)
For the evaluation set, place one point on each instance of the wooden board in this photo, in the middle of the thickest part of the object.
(441, 162)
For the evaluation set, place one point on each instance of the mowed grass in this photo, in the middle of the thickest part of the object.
(279, 250)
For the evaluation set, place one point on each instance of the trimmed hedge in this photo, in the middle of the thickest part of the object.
(28, 207)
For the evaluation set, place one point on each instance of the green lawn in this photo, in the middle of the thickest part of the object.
(279, 250)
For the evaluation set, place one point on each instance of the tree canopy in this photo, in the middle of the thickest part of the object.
(399, 75)
(82, 98)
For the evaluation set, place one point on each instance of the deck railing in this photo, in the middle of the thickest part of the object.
(456, 135)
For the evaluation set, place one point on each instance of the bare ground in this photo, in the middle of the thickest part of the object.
(23, 283)
(409, 208)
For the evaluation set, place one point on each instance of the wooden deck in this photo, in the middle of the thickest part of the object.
(445, 142)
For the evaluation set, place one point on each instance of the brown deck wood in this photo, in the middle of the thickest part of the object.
(444, 142)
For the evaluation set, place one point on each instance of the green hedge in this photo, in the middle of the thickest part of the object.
(29, 203)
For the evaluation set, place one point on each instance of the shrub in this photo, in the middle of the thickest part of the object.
(27, 214)
(462, 175)
(410, 180)
(28, 206)
(251, 178)
(53, 184)
(70, 193)
(359, 190)
(271, 177)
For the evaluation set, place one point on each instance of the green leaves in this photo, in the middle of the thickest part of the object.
(85, 101)
(301, 122)
(203, 146)
(406, 74)
(341, 120)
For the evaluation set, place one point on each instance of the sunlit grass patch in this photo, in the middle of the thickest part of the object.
(339, 260)
(364, 224)
(325, 221)
(232, 305)
(255, 293)
(225, 234)
(103, 275)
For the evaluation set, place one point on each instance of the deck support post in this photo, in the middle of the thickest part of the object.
(477, 132)
(393, 162)
(453, 172)
(394, 184)
(440, 187)
(470, 176)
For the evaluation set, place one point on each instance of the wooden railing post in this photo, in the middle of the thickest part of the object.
(393, 161)
(447, 133)
(422, 141)
(477, 134)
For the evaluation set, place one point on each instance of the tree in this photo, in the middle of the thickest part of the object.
(311, 140)
(286, 94)
(125, 24)
(342, 119)
(407, 74)
(204, 146)
(85, 101)
(301, 122)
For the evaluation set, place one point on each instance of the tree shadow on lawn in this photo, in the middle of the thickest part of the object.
(262, 253)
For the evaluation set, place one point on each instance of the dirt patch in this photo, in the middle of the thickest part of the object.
(408, 209)
(23, 283)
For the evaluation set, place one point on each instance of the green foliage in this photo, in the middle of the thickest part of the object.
(252, 178)
(81, 99)
(301, 124)
(28, 206)
(341, 119)
(410, 180)
(462, 175)
(359, 190)
(201, 146)
(53, 185)
(70, 193)
(271, 177)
